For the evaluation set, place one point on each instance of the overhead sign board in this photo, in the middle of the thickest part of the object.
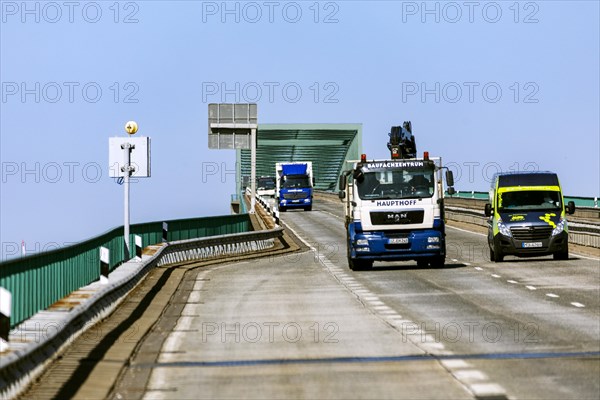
(230, 125)
(140, 156)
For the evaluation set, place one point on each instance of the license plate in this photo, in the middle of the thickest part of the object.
(532, 244)
(295, 201)
(399, 241)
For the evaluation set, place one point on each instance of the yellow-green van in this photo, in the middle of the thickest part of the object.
(527, 216)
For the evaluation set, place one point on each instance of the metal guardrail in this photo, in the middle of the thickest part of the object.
(218, 246)
(37, 281)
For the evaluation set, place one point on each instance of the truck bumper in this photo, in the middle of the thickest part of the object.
(300, 203)
(397, 246)
(544, 247)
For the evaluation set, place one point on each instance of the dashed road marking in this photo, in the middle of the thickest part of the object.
(464, 230)
(578, 305)
(470, 375)
(511, 281)
(531, 287)
(552, 295)
(496, 276)
(455, 364)
(479, 268)
(481, 389)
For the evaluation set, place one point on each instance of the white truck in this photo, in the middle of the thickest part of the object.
(395, 208)
(294, 185)
(265, 186)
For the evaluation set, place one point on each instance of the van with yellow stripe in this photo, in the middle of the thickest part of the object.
(527, 216)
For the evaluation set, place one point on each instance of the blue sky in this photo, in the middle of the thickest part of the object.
(488, 86)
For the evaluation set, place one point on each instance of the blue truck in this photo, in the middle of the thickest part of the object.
(294, 186)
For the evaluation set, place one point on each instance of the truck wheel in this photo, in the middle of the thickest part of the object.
(438, 262)
(496, 255)
(562, 255)
(422, 263)
(309, 208)
(359, 265)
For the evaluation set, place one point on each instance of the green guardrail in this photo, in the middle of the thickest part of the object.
(39, 280)
(579, 201)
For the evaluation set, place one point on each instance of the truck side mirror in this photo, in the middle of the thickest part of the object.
(342, 194)
(342, 182)
(451, 191)
(449, 178)
(488, 210)
(570, 207)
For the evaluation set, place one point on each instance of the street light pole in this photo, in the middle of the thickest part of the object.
(127, 147)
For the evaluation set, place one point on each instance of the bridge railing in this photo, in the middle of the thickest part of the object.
(37, 281)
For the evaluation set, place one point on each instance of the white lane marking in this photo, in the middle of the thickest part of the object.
(531, 287)
(511, 281)
(382, 308)
(479, 268)
(454, 260)
(470, 375)
(433, 346)
(496, 276)
(332, 214)
(376, 303)
(464, 230)
(466, 263)
(397, 316)
(194, 297)
(387, 313)
(455, 364)
(586, 257)
(371, 298)
(578, 305)
(552, 295)
(482, 390)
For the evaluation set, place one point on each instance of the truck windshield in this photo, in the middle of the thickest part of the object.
(396, 184)
(266, 184)
(294, 181)
(527, 200)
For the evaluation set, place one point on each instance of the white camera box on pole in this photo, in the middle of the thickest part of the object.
(140, 156)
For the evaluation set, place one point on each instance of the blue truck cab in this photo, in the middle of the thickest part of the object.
(294, 185)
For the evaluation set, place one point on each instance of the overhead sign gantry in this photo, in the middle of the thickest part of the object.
(233, 126)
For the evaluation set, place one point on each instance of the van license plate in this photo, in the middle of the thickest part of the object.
(399, 241)
(532, 244)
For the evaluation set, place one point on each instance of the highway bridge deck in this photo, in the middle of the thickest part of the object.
(302, 325)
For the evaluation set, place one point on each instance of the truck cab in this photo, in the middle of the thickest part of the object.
(294, 185)
(527, 216)
(265, 186)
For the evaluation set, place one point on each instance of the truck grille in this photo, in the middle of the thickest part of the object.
(531, 232)
(295, 196)
(397, 217)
